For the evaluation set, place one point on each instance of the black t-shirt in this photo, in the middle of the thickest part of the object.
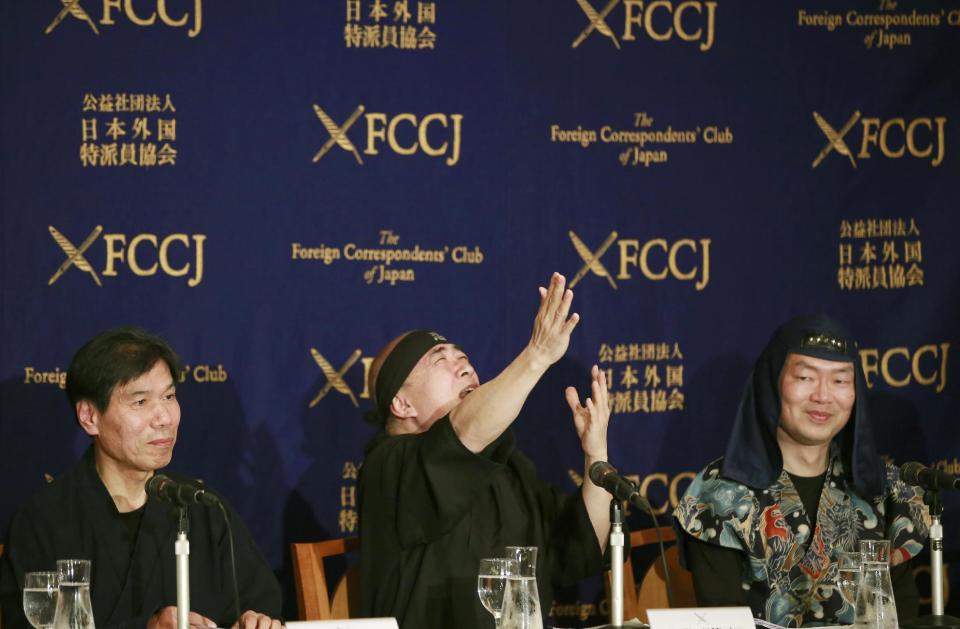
(809, 489)
(131, 521)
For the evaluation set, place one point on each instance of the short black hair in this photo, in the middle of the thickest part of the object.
(112, 358)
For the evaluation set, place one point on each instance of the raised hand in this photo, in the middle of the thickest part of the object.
(482, 416)
(552, 327)
(591, 419)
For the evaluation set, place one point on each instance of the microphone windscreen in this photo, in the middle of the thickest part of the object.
(910, 473)
(155, 484)
(600, 469)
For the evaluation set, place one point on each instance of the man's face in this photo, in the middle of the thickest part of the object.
(138, 429)
(816, 399)
(438, 382)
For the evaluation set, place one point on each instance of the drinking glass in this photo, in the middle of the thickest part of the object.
(875, 550)
(40, 597)
(526, 558)
(491, 581)
(848, 576)
(876, 608)
(74, 609)
(521, 598)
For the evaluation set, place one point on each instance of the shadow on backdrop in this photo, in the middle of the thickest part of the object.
(37, 422)
(325, 484)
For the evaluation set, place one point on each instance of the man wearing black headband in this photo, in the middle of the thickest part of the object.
(444, 484)
(800, 482)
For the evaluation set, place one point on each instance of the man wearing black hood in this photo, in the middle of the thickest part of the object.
(800, 482)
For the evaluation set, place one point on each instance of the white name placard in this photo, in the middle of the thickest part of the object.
(701, 618)
(356, 623)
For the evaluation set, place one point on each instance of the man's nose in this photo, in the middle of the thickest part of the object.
(821, 392)
(163, 415)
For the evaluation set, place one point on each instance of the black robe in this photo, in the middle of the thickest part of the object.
(430, 510)
(74, 517)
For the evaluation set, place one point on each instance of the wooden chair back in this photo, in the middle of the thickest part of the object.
(652, 590)
(314, 597)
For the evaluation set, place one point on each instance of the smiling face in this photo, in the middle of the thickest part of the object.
(438, 382)
(138, 429)
(816, 399)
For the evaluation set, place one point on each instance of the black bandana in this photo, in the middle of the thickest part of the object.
(397, 366)
(753, 455)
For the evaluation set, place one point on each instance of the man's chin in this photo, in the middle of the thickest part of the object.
(820, 437)
(808, 437)
(162, 461)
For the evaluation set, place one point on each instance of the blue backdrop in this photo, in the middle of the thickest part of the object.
(279, 188)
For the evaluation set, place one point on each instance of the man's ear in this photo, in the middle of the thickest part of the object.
(401, 408)
(89, 417)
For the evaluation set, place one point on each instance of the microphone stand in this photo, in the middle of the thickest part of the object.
(616, 564)
(604, 475)
(937, 619)
(182, 551)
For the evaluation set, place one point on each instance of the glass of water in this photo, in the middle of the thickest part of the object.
(875, 550)
(491, 581)
(848, 576)
(40, 597)
(876, 608)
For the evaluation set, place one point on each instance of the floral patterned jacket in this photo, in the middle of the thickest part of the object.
(790, 566)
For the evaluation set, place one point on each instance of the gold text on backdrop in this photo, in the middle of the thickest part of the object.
(645, 257)
(911, 366)
(405, 134)
(659, 20)
(895, 138)
(632, 254)
(138, 17)
(118, 251)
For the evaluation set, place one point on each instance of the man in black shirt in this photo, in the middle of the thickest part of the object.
(800, 482)
(443, 485)
(122, 386)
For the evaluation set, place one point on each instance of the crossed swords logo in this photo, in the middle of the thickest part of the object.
(71, 7)
(591, 259)
(338, 134)
(835, 138)
(597, 22)
(335, 379)
(74, 254)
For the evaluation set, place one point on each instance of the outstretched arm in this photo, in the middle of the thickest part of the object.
(484, 414)
(591, 423)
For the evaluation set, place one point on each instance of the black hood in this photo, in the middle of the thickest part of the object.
(753, 456)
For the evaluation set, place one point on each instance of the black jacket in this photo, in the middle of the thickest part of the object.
(74, 517)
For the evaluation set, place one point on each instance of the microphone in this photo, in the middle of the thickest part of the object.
(605, 476)
(181, 493)
(928, 478)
